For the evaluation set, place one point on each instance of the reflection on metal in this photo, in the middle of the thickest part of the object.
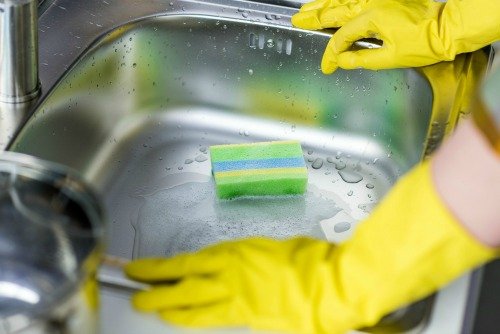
(12, 116)
(274, 43)
(18, 51)
(51, 235)
(14, 291)
(453, 86)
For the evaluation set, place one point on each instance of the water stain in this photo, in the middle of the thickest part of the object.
(342, 227)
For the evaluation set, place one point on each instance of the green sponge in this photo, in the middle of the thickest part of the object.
(257, 169)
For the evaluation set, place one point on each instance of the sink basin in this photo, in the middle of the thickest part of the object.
(137, 110)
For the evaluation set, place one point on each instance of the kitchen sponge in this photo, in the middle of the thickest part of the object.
(257, 169)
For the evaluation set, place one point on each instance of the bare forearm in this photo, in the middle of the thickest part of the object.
(466, 172)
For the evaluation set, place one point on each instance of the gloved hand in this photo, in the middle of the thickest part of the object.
(409, 247)
(322, 14)
(414, 32)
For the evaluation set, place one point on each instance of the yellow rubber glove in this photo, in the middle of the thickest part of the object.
(322, 14)
(414, 32)
(409, 247)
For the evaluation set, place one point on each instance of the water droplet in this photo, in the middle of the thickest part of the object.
(341, 227)
(134, 65)
(340, 165)
(330, 160)
(188, 161)
(317, 164)
(201, 158)
(350, 193)
(180, 168)
(244, 14)
(367, 207)
(350, 177)
(370, 186)
(246, 133)
(250, 71)
(310, 159)
(268, 17)
(270, 43)
(203, 149)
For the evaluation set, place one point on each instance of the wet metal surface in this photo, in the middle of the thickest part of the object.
(136, 112)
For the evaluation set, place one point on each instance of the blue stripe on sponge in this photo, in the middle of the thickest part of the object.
(222, 166)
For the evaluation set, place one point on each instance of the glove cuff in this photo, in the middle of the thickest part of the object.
(409, 247)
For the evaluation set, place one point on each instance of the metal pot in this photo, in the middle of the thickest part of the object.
(51, 236)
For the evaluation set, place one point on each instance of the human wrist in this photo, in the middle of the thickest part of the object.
(466, 174)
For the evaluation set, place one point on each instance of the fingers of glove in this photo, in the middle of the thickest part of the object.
(307, 20)
(358, 28)
(326, 18)
(214, 315)
(160, 269)
(336, 17)
(313, 5)
(372, 59)
(354, 30)
(323, 4)
(329, 60)
(187, 293)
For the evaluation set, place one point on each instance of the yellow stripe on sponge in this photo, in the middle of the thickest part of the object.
(261, 171)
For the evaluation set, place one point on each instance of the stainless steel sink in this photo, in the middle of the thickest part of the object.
(159, 83)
